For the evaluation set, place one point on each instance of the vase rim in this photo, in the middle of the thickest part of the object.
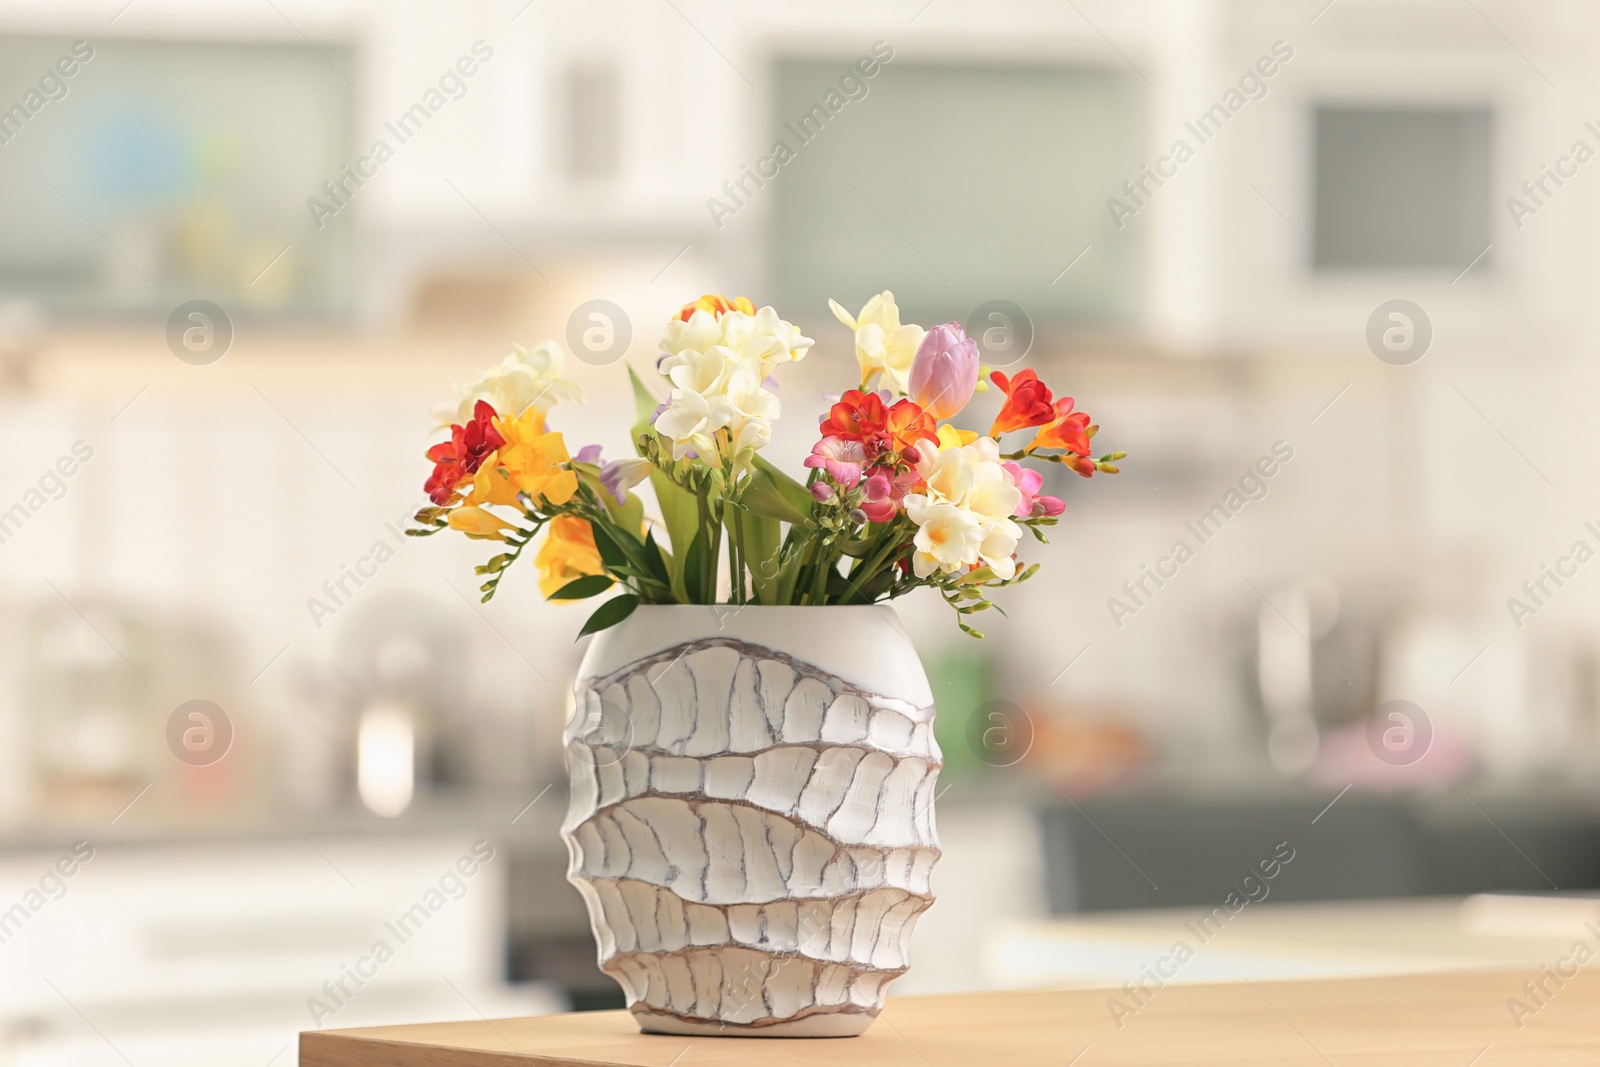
(865, 644)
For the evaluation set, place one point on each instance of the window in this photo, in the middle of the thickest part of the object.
(953, 185)
(1402, 188)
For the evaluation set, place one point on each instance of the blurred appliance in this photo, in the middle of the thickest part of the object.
(1309, 658)
(399, 667)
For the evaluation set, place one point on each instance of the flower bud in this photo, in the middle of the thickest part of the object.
(945, 372)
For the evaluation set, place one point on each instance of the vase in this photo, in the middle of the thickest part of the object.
(751, 817)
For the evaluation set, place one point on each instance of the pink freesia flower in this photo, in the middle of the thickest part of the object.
(883, 492)
(945, 372)
(843, 459)
(1028, 483)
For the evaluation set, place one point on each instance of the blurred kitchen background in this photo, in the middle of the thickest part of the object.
(205, 501)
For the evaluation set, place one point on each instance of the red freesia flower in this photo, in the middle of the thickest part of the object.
(1028, 402)
(459, 458)
(1068, 431)
(908, 424)
(862, 416)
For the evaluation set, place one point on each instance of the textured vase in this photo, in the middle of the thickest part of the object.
(751, 818)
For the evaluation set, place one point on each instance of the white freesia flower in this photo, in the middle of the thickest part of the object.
(763, 336)
(883, 345)
(948, 537)
(969, 480)
(718, 367)
(707, 372)
(688, 421)
(748, 409)
(526, 378)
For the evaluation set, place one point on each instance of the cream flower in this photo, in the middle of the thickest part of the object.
(747, 409)
(718, 366)
(526, 378)
(762, 337)
(688, 421)
(971, 480)
(948, 538)
(883, 345)
(707, 372)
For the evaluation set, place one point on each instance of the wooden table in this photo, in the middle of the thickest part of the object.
(1443, 1020)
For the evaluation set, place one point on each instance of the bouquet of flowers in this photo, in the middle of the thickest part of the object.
(896, 496)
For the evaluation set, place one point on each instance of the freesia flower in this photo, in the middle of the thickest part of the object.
(1068, 431)
(945, 371)
(883, 345)
(970, 480)
(1027, 402)
(1028, 483)
(457, 459)
(762, 337)
(879, 501)
(477, 523)
(530, 461)
(719, 355)
(620, 475)
(765, 337)
(716, 304)
(842, 457)
(688, 422)
(747, 408)
(568, 553)
(863, 416)
(526, 378)
(948, 538)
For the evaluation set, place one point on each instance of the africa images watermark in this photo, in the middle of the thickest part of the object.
(403, 127)
(1252, 86)
(852, 86)
(337, 590)
(1252, 889)
(1253, 485)
(1538, 591)
(51, 486)
(1538, 192)
(451, 885)
(52, 886)
(1538, 991)
(52, 87)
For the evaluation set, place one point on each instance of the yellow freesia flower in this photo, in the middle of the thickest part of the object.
(568, 553)
(531, 461)
(476, 522)
(951, 437)
(883, 345)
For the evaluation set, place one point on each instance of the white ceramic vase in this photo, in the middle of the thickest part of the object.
(751, 818)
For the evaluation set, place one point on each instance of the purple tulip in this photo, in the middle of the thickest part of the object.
(945, 371)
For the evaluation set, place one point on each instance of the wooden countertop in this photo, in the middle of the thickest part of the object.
(1443, 1020)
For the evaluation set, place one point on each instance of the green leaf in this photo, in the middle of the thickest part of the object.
(610, 554)
(658, 561)
(680, 514)
(581, 588)
(774, 495)
(694, 567)
(644, 401)
(610, 613)
(760, 549)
